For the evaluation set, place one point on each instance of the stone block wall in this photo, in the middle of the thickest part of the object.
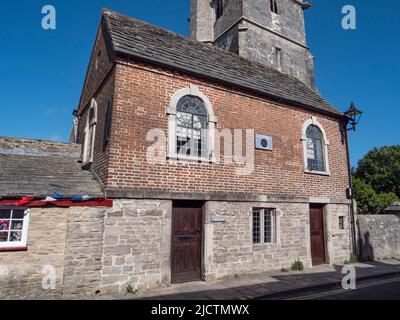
(379, 236)
(84, 251)
(22, 272)
(97, 250)
(229, 250)
(339, 246)
(137, 239)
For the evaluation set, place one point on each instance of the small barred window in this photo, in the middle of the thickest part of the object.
(264, 226)
(274, 6)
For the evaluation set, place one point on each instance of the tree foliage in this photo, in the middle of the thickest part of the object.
(380, 168)
(370, 202)
(377, 180)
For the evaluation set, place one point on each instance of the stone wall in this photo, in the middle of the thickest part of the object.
(260, 45)
(84, 251)
(229, 250)
(99, 250)
(379, 236)
(339, 246)
(46, 247)
(137, 239)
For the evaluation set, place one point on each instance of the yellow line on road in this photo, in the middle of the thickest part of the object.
(334, 292)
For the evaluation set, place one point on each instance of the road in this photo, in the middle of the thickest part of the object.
(387, 288)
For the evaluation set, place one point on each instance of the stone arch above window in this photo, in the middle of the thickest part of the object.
(315, 147)
(191, 125)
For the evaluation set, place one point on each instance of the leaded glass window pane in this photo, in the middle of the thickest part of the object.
(267, 226)
(191, 127)
(256, 227)
(315, 149)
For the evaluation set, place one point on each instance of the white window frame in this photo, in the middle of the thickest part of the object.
(314, 121)
(191, 90)
(25, 227)
(274, 226)
(89, 125)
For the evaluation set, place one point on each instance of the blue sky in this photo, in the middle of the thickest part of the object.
(43, 71)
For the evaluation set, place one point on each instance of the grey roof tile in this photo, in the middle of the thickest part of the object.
(40, 168)
(146, 42)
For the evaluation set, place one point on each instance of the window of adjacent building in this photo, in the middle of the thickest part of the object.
(90, 132)
(274, 6)
(264, 226)
(191, 127)
(341, 223)
(13, 227)
(107, 123)
(315, 149)
(279, 58)
(219, 8)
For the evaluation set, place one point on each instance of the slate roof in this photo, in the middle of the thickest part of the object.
(148, 43)
(393, 208)
(39, 168)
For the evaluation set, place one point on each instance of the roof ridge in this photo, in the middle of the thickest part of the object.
(144, 41)
(209, 47)
(36, 140)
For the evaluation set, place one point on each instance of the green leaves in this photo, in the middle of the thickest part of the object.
(377, 180)
(380, 168)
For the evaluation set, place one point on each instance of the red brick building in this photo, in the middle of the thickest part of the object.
(224, 164)
(199, 159)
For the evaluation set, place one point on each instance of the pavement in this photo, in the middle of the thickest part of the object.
(269, 285)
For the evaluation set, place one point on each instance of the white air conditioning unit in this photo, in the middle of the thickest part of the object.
(264, 142)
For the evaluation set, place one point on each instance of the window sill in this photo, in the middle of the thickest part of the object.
(10, 249)
(264, 245)
(177, 158)
(318, 173)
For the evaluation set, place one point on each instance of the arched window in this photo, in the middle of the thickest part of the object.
(274, 6)
(90, 133)
(191, 123)
(315, 146)
(315, 149)
(191, 127)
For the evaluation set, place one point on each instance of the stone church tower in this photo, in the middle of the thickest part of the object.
(271, 32)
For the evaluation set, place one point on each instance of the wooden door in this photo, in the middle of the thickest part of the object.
(186, 244)
(317, 234)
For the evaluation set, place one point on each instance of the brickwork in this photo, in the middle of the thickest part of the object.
(142, 97)
(100, 86)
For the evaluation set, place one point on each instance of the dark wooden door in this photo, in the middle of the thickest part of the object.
(317, 234)
(186, 242)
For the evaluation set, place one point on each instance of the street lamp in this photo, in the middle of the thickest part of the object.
(353, 115)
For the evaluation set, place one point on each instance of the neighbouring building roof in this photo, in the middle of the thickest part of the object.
(39, 168)
(148, 43)
(393, 208)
